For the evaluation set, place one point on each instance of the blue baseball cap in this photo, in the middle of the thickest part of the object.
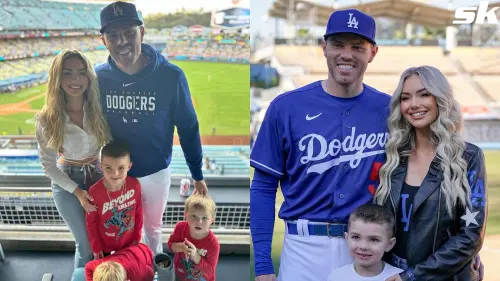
(119, 12)
(351, 21)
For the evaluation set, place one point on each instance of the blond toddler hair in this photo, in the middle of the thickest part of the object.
(110, 271)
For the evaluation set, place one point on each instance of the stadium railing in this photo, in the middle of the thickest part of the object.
(28, 213)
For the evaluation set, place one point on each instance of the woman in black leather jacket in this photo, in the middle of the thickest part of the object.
(433, 182)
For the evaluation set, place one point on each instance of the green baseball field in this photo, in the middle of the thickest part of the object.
(220, 92)
(490, 253)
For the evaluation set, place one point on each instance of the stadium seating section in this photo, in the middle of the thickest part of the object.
(16, 68)
(472, 71)
(19, 48)
(49, 15)
(490, 84)
(236, 51)
(25, 60)
(229, 160)
(234, 46)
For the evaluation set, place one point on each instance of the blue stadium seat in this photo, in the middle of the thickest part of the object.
(78, 274)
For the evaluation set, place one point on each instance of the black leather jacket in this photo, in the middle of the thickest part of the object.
(441, 247)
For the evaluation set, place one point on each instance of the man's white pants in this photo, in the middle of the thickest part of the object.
(311, 258)
(155, 189)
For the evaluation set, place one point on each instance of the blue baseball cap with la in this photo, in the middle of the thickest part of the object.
(119, 12)
(351, 21)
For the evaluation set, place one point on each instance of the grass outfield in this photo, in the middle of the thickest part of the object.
(11, 124)
(220, 92)
(21, 95)
(493, 223)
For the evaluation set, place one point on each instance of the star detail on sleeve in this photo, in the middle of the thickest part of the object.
(470, 217)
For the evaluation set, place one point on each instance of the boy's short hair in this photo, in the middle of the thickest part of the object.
(197, 201)
(375, 214)
(110, 271)
(116, 149)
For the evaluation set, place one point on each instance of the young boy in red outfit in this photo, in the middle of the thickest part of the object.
(195, 246)
(133, 263)
(117, 223)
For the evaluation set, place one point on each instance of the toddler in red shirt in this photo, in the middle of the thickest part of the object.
(117, 223)
(133, 263)
(195, 246)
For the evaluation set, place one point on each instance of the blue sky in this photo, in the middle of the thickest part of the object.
(259, 9)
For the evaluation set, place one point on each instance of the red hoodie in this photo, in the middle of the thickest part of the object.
(118, 221)
(136, 259)
(186, 269)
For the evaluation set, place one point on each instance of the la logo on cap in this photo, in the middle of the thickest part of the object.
(117, 11)
(352, 21)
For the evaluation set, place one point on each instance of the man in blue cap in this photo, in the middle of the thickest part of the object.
(322, 143)
(144, 97)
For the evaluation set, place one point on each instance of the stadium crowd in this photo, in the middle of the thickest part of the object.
(28, 59)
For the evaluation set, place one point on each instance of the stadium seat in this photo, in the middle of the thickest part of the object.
(78, 274)
(477, 60)
(491, 85)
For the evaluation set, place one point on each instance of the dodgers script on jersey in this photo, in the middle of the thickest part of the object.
(325, 150)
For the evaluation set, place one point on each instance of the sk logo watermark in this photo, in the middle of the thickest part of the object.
(352, 21)
(476, 15)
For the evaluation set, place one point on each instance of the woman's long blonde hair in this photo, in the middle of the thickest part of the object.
(52, 116)
(445, 135)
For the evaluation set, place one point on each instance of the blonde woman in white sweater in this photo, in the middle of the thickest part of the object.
(70, 130)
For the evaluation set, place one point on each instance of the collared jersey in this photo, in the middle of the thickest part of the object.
(325, 150)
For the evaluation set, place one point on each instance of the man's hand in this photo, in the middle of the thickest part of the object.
(478, 265)
(200, 187)
(85, 198)
(266, 277)
(394, 278)
(99, 255)
(192, 252)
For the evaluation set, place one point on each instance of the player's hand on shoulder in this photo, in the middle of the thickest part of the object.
(266, 277)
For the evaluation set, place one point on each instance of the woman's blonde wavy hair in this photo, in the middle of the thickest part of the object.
(445, 135)
(51, 118)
